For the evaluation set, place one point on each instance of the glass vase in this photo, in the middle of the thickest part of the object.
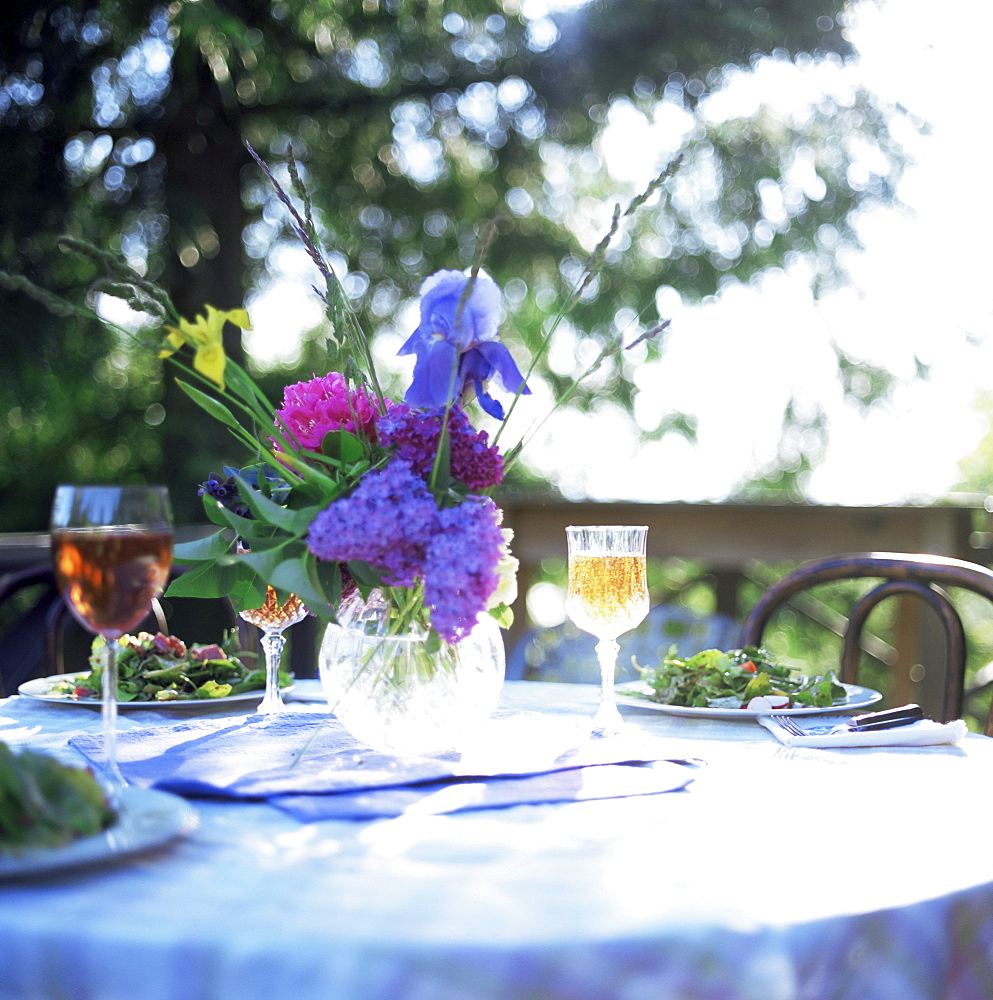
(399, 694)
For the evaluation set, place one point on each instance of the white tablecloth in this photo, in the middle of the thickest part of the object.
(777, 875)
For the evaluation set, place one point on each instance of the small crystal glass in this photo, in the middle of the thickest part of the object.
(274, 617)
(607, 596)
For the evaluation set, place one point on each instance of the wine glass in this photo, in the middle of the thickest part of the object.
(273, 617)
(607, 596)
(111, 552)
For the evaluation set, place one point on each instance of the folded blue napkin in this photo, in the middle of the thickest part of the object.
(310, 766)
(579, 784)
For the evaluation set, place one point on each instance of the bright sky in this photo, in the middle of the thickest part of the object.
(922, 288)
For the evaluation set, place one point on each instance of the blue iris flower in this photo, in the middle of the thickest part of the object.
(450, 355)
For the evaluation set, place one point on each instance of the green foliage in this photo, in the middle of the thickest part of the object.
(414, 125)
(976, 468)
(803, 442)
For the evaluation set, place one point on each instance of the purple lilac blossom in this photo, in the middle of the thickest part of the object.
(452, 355)
(387, 521)
(313, 408)
(413, 436)
(391, 522)
(460, 569)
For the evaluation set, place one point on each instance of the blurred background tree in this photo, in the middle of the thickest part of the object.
(414, 123)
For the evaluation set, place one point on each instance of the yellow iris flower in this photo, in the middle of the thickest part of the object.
(204, 336)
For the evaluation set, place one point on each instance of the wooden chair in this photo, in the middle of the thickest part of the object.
(564, 653)
(926, 577)
(39, 637)
(29, 607)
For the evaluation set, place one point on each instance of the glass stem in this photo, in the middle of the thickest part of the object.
(273, 641)
(115, 780)
(607, 717)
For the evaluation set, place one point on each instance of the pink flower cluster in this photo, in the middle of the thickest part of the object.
(325, 403)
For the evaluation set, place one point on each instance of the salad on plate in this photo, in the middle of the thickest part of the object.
(44, 803)
(736, 678)
(163, 668)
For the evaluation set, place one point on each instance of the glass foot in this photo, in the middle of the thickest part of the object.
(272, 643)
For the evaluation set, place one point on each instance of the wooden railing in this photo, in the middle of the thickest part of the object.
(726, 538)
(722, 534)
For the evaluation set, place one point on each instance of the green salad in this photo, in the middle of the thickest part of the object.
(716, 679)
(47, 804)
(163, 668)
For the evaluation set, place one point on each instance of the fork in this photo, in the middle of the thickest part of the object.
(787, 723)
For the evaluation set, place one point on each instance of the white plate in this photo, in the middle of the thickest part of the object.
(309, 689)
(41, 689)
(856, 697)
(146, 818)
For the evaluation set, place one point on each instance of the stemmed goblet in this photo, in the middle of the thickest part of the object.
(273, 618)
(111, 553)
(607, 596)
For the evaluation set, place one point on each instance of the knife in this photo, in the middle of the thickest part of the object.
(870, 722)
(888, 718)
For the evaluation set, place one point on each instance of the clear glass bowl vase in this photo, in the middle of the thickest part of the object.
(396, 693)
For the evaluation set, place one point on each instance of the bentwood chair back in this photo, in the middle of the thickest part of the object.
(40, 638)
(925, 577)
(29, 606)
(564, 653)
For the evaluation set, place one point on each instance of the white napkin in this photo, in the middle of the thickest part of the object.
(924, 733)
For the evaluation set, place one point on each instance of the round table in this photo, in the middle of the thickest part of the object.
(778, 874)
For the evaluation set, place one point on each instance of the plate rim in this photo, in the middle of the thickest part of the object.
(869, 695)
(50, 699)
(147, 818)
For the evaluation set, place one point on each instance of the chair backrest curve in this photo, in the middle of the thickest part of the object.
(921, 575)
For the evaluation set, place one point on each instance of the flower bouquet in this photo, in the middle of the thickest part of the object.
(354, 492)
(375, 512)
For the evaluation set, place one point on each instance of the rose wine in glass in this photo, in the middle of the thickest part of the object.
(111, 553)
(607, 596)
(273, 618)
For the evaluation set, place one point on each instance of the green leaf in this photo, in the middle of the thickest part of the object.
(215, 512)
(305, 495)
(504, 615)
(760, 684)
(342, 447)
(264, 560)
(329, 575)
(364, 574)
(213, 407)
(295, 576)
(302, 520)
(268, 553)
(200, 549)
(325, 486)
(206, 580)
(263, 509)
(211, 689)
(441, 474)
(248, 590)
(243, 386)
(245, 527)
